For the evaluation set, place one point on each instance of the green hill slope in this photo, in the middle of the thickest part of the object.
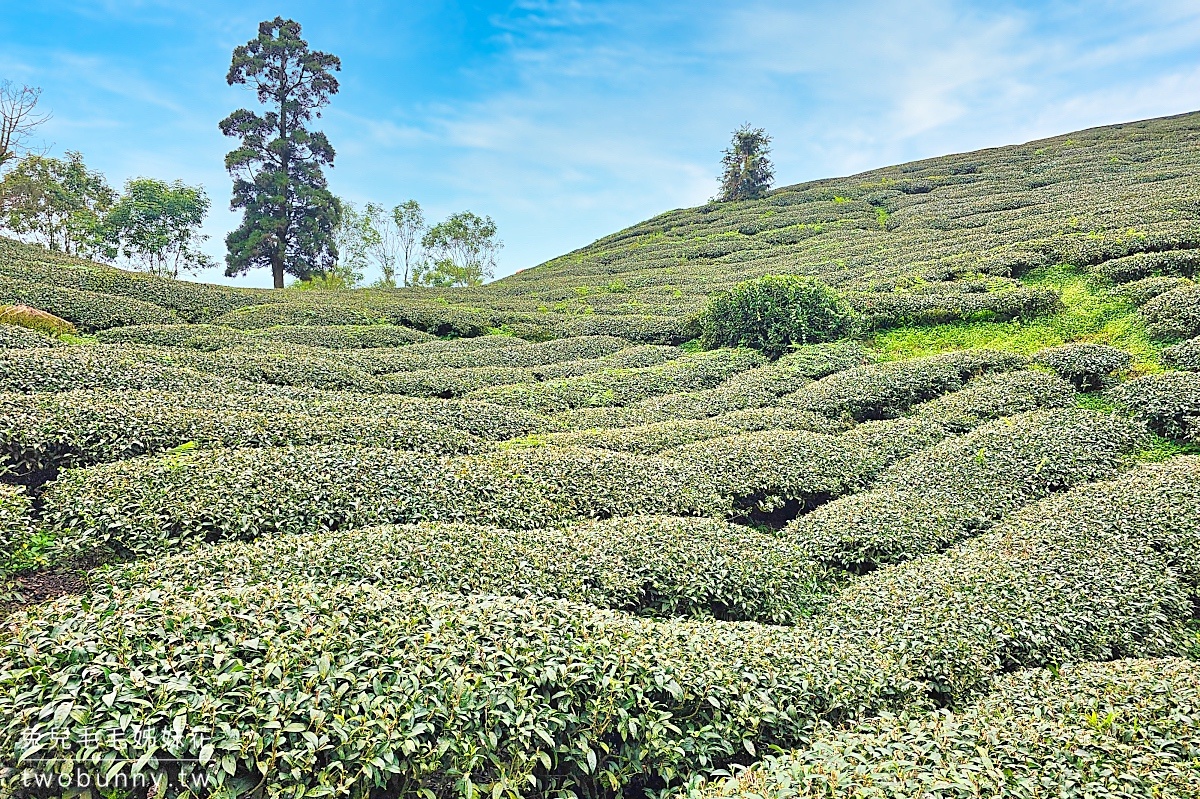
(531, 540)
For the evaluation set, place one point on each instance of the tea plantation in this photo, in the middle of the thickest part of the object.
(548, 537)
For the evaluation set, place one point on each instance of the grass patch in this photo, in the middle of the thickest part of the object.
(1090, 312)
(1161, 449)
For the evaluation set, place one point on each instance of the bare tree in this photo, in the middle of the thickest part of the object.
(18, 119)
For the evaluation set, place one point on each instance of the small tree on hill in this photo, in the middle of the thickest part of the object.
(58, 203)
(155, 225)
(747, 170)
(410, 227)
(775, 313)
(462, 251)
(290, 216)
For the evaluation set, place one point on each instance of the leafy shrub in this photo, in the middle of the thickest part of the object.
(647, 439)
(43, 433)
(1089, 367)
(451, 383)
(21, 338)
(347, 337)
(503, 352)
(100, 367)
(880, 311)
(1173, 315)
(407, 688)
(1168, 403)
(961, 486)
(793, 470)
(159, 503)
(647, 329)
(1185, 355)
(280, 364)
(752, 419)
(623, 386)
(200, 337)
(1140, 292)
(195, 302)
(401, 308)
(1146, 264)
(16, 524)
(637, 357)
(1094, 729)
(1083, 575)
(649, 565)
(83, 309)
(992, 396)
(774, 313)
(886, 390)
(800, 367)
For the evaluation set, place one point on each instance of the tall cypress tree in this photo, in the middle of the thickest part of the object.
(289, 214)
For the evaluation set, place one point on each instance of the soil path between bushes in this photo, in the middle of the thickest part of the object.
(24, 590)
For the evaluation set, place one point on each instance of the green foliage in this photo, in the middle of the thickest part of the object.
(961, 486)
(1185, 355)
(1168, 403)
(154, 504)
(1089, 367)
(746, 170)
(1098, 729)
(1174, 314)
(461, 251)
(16, 524)
(156, 226)
(775, 313)
(647, 565)
(289, 215)
(58, 203)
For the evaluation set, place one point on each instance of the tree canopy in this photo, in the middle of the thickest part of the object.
(56, 202)
(155, 225)
(462, 251)
(748, 171)
(289, 215)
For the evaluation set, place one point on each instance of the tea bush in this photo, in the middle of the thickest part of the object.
(16, 523)
(961, 486)
(451, 383)
(647, 439)
(99, 367)
(771, 418)
(644, 329)
(1147, 264)
(475, 695)
(43, 433)
(1089, 367)
(1087, 730)
(880, 311)
(1140, 292)
(194, 302)
(993, 396)
(647, 565)
(886, 390)
(152, 504)
(84, 309)
(774, 313)
(504, 352)
(1173, 315)
(1168, 403)
(36, 320)
(1083, 575)
(196, 336)
(623, 386)
(20, 338)
(1185, 355)
(765, 471)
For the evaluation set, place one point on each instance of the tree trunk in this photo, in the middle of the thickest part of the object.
(277, 270)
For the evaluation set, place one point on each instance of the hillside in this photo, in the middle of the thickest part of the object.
(531, 539)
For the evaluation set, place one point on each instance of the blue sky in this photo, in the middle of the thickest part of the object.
(566, 121)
